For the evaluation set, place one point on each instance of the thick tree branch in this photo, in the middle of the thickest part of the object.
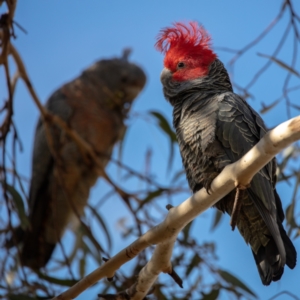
(164, 234)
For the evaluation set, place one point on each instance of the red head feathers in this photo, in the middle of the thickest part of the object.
(187, 49)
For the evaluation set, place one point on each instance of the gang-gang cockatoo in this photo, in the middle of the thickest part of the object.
(216, 127)
(95, 105)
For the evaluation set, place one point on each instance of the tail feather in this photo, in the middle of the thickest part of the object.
(291, 254)
(35, 255)
(16, 237)
(269, 261)
(35, 252)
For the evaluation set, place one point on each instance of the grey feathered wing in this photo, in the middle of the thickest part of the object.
(36, 251)
(238, 129)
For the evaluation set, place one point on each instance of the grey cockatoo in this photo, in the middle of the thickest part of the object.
(216, 127)
(95, 105)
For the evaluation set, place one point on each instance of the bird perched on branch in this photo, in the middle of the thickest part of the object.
(94, 105)
(216, 127)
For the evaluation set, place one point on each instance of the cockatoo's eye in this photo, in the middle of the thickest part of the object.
(180, 65)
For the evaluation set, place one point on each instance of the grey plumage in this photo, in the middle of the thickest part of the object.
(216, 127)
(95, 105)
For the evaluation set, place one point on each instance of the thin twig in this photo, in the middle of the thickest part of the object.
(269, 62)
(260, 37)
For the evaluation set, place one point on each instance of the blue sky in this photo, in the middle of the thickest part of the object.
(65, 37)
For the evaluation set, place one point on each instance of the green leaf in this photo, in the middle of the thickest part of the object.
(92, 239)
(102, 224)
(235, 281)
(18, 201)
(82, 265)
(186, 230)
(152, 195)
(93, 251)
(64, 282)
(213, 295)
(164, 125)
(217, 219)
(194, 263)
(280, 63)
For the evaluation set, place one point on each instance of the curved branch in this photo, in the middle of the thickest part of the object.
(165, 233)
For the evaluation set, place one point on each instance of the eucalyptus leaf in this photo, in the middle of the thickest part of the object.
(213, 295)
(64, 282)
(235, 281)
(164, 125)
(217, 219)
(18, 201)
(151, 195)
(194, 263)
(102, 224)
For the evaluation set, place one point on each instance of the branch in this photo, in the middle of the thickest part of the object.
(240, 52)
(165, 233)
